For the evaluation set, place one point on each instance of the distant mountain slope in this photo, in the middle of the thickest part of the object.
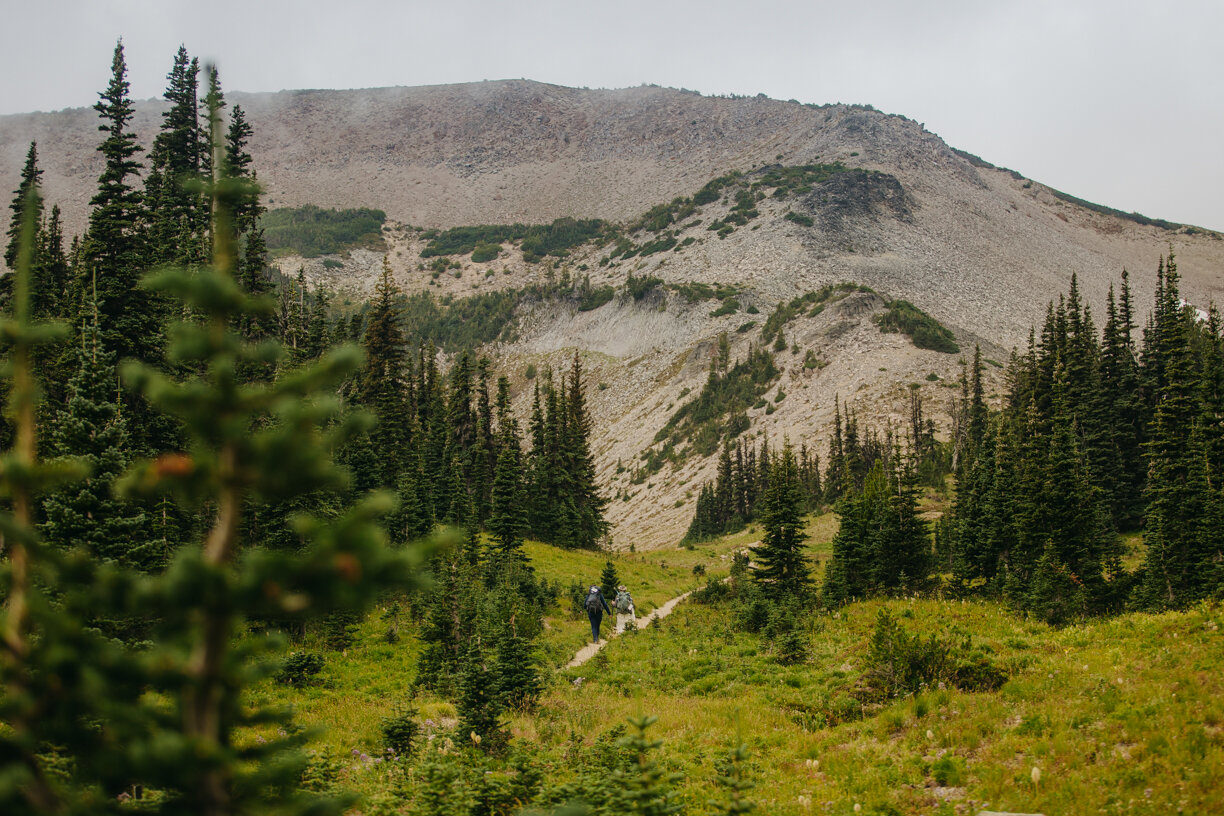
(979, 248)
(524, 151)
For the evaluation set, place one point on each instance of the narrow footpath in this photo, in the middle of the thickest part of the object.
(591, 649)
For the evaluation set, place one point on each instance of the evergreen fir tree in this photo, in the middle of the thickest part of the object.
(113, 249)
(26, 195)
(507, 515)
(783, 570)
(644, 788)
(382, 385)
(1174, 531)
(733, 778)
(480, 702)
(178, 225)
(585, 496)
(518, 681)
(609, 581)
(90, 427)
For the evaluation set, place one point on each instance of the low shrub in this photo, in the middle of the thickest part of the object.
(399, 732)
(300, 669)
(594, 298)
(485, 252)
(899, 663)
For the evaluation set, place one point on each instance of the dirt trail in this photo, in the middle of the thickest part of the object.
(591, 649)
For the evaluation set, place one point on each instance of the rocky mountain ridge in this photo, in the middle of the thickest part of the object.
(979, 248)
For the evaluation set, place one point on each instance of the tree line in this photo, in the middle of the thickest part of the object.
(1099, 434)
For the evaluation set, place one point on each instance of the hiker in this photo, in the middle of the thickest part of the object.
(595, 607)
(624, 609)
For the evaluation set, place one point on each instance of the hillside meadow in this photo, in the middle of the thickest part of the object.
(1120, 715)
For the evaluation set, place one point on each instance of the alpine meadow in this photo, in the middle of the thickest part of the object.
(335, 420)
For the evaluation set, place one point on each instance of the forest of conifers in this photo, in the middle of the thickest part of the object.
(196, 448)
(1097, 435)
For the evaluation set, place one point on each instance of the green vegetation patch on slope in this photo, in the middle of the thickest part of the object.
(810, 303)
(720, 411)
(797, 179)
(1138, 218)
(464, 323)
(696, 291)
(310, 231)
(924, 331)
(536, 240)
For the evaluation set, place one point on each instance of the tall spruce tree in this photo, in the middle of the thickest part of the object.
(114, 247)
(1175, 530)
(586, 498)
(26, 197)
(783, 570)
(90, 427)
(507, 514)
(381, 386)
(176, 209)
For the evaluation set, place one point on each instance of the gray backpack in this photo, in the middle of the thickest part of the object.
(623, 601)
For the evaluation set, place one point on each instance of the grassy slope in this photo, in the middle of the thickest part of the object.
(1122, 715)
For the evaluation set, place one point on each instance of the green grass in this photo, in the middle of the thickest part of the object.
(1122, 715)
(652, 578)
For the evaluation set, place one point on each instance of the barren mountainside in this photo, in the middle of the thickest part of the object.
(980, 249)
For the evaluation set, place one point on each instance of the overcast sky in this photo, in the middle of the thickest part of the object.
(1115, 101)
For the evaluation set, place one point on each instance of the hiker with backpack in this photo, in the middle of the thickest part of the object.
(625, 612)
(595, 607)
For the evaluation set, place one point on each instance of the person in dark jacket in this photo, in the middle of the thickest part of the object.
(595, 607)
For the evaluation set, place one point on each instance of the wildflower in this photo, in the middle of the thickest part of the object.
(930, 734)
(475, 737)
(1036, 775)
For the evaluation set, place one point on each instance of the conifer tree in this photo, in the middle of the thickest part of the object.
(644, 788)
(381, 386)
(1174, 523)
(518, 681)
(733, 778)
(609, 580)
(26, 194)
(783, 570)
(507, 515)
(49, 287)
(479, 705)
(317, 335)
(90, 427)
(114, 246)
(587, 500)
(176, 209)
